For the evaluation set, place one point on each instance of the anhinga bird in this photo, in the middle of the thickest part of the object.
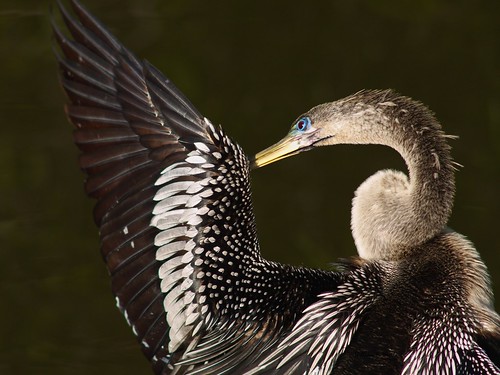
(178, 234)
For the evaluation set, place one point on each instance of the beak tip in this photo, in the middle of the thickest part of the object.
(253, 163)
(288, 146)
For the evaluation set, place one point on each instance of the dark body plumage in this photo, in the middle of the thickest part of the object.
(178, 237)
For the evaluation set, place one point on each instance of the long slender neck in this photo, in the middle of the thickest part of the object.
(426, 152)
(392, 213)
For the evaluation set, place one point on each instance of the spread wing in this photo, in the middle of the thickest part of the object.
(174, 212)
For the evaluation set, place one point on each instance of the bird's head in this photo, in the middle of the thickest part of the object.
(320, 126)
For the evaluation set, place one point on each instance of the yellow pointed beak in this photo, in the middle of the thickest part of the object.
(288, 146)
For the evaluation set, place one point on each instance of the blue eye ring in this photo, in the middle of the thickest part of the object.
(303, 124)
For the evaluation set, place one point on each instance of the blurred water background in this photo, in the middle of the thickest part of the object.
(253, 67)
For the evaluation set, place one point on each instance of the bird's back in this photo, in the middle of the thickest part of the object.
(428, 313)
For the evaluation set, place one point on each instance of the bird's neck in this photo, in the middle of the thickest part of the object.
(432, 180)
(392, 212)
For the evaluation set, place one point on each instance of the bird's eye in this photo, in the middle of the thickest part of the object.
(303, 124)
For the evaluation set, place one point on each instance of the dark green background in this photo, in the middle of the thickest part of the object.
(253, 67)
